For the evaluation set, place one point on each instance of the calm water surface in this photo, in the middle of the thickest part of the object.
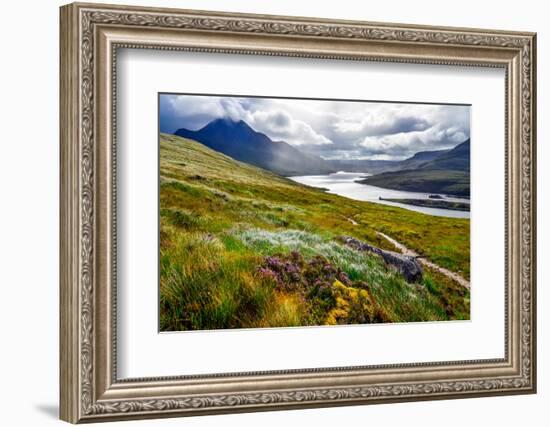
(343, 184)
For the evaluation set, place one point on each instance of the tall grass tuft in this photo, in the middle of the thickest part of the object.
(203, 286)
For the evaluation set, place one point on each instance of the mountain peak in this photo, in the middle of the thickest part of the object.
(227, 124)
(238, 140)
(227, 121)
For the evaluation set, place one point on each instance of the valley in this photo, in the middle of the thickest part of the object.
(242, 246)
(440, 171)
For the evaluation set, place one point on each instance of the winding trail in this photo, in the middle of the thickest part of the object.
(352, 221)
(406, 251)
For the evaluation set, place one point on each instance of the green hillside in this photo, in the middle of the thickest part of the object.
(421, 180)
(242, 247)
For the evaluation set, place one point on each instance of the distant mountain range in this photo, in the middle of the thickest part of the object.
(441, 171)
(379, 166)
(446, 173)
(457, 159)
(239, 141)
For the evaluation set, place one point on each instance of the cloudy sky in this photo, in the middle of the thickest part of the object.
(331, 129)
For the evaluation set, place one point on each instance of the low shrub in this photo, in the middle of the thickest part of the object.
(328, 293)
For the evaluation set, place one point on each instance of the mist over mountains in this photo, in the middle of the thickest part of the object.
(379, 166)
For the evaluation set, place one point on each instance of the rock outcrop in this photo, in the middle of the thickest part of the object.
(408, 266)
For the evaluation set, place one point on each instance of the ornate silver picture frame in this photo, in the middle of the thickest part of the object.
(91, 35)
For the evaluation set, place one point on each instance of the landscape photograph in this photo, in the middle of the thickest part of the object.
(291, 212)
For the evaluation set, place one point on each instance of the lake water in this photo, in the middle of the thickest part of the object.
(343, 184)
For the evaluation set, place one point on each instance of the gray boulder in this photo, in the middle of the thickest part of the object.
(408, 266)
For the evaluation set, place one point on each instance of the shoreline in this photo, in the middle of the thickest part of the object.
(432, 203)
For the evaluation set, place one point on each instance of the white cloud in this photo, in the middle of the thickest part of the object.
(331, 129)
(405, 144)
(209, 107)
(281, 125)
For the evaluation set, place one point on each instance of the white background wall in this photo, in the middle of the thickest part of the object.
(29, 171)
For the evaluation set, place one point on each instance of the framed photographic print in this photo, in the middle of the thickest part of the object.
(266, 212)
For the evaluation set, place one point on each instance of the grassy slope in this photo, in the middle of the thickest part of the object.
(221, 218)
